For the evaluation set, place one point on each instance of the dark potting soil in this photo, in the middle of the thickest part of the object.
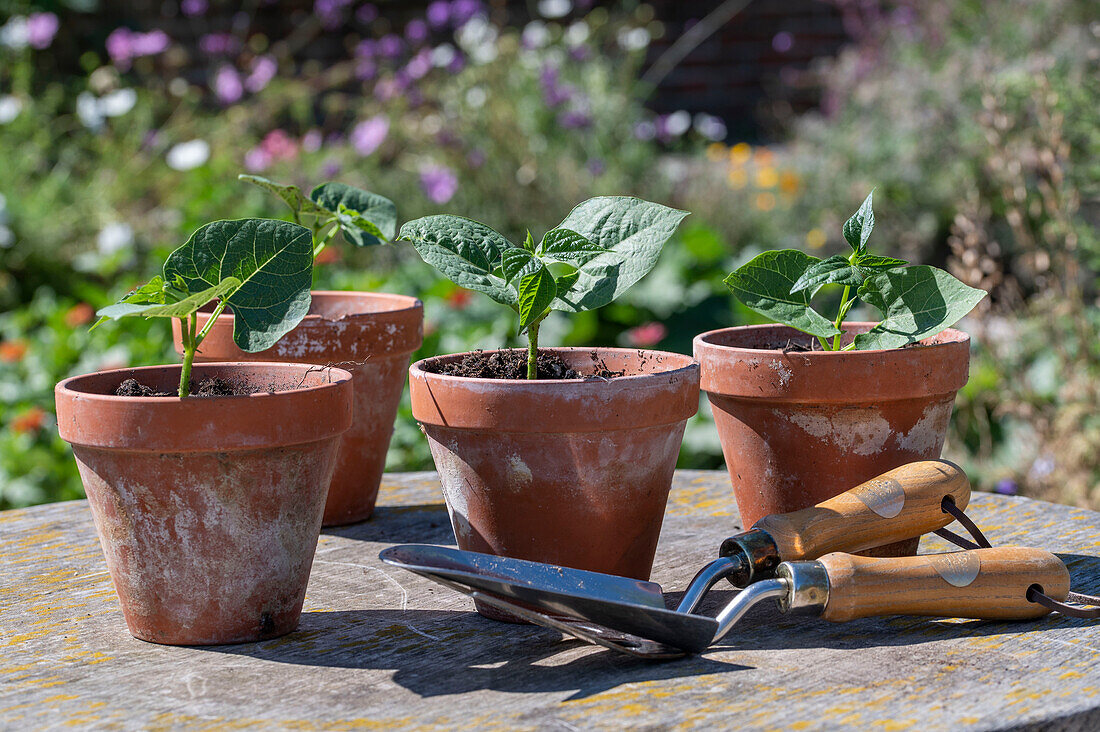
(513, 365)
(210, 386)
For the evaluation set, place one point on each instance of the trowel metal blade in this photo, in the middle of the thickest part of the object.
(626, 605)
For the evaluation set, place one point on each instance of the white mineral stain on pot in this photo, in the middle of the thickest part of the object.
(448, 465)
(927, 434)
(519, 475)
(782, 371)
(861, 431)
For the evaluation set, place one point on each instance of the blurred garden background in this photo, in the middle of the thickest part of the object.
(123, 127)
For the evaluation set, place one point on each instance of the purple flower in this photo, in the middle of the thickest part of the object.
(191, 8)
(366, 69)
(574, 119)
(476, 158)
(456, 64)
(227, 85)
(416, 31)
(312, 141)
(330, 169)
(439, 14)
(219, 44)
(124, 45)
(263, 71)
(645, 130)
(366, 48)
(390, 46)
(330, 12)
(257, 160)
(369, 134)
(596, 167)
(463, 10)
(438, 182)
(41, 28)
(1006, 487)
(367, 14)
(420, 64)
(579, 53)
(783, 41)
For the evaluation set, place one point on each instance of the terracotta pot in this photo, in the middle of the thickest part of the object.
(208, 508)
(800, 427)
(575, 473)
(372, 335)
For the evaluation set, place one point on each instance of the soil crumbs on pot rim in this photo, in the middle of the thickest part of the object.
(513, 365)
(210, 386)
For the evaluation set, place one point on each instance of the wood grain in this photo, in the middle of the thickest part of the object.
(380, 648)
(900, 504)
(986, 584)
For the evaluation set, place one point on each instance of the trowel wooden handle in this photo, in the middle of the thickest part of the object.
(900, 504)
(981, 583)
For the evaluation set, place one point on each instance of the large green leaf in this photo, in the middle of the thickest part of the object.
(858, 228)
(564, 245)
(836, 270)
(181, 308)
(292, 195)
(632, 230)
(764, 284)
(466, 251)
(273, 260)
(916, 303)
(379, 211)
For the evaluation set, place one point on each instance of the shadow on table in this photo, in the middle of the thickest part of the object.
(420, 524)
(443, 652)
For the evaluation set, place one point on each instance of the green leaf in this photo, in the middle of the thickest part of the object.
(291, 195)
(516, 263)
(869, 263)
(536, 291)
(529, 242)
(916, 303)
(566, 280)
(353, 220)
(632, 230)
(836, 270)
(565, 245)
(273, 260)
(378, 210)
(466, 251)
(858, 228)
(764, 284)
(178, 309)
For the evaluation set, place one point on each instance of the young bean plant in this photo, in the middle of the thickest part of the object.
(916, 302)
(260, 269)
(366, 219)
(602, 247)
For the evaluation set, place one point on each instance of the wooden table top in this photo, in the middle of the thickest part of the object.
(378, 647)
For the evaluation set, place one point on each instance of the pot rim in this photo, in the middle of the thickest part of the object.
(569, 406)
(704, 340)
(201, 424)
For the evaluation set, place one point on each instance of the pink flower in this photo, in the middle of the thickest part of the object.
(312, 141)
(192, 8)
(227, 85)
(263, 71)
(41, 28)
(257, 160)
(124, 45)
(279, 145)
(219, 43)
(647, 335)
(438, 182)
(369, 134)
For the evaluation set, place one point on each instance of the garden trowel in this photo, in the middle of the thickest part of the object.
(900, 504)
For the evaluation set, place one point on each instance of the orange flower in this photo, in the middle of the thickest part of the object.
(816, 238)
(716, 151)
(29, 420)
(766, 178)
(789, 182)
(328, 255)
(78, 315)
(763, 156)
(12, 351)
(459, 298)
(740, 153)
(738, 178)
(765, 201)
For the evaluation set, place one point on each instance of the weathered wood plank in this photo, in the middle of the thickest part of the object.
(379, 647)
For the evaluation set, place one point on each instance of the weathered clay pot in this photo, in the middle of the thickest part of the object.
(800, 427)
(369, 334)
(208, 508)
(575, 473)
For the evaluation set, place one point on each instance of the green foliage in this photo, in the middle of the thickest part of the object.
(602, 247)
(915, 302)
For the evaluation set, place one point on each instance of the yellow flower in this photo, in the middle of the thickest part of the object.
(716, 151)
(765, 201)
(815, 238)
(766, 178)
(789, 182)
(738, 178)
(740, 153)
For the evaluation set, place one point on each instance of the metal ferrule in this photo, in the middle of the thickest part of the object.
(759, 550)
(809, 587)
